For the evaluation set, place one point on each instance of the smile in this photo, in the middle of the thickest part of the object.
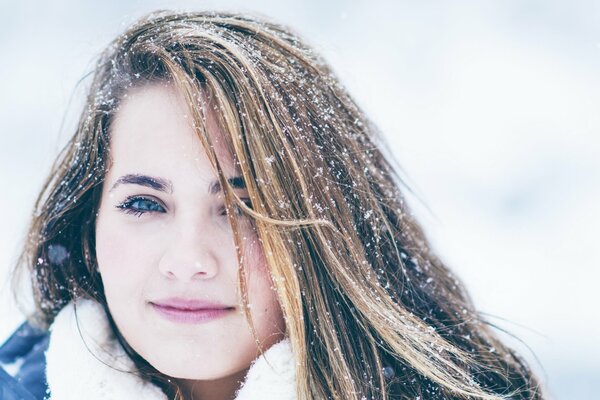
(190, 311)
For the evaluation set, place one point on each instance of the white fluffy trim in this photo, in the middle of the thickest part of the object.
(84, 361)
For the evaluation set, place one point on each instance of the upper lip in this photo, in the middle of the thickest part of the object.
(189, 304)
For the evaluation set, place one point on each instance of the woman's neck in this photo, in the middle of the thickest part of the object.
(218, 389)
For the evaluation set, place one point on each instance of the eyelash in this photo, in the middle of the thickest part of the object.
(238, 210)
(127, 206)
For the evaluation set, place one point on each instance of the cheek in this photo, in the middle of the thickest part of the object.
(266, 310)
(123, 259)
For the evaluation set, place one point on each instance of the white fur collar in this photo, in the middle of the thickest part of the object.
(77, 369)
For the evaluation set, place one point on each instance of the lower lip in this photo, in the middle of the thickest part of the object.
(196, 316)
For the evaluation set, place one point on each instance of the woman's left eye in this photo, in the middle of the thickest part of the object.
(237, 210)
(140, 205)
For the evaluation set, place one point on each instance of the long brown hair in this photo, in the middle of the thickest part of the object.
(370, 311)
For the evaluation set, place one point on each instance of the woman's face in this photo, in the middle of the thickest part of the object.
(165, 248)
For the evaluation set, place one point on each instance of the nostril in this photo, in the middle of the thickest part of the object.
(188, 263)
(199, 267)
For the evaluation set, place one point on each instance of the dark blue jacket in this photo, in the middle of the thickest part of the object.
(24, 348)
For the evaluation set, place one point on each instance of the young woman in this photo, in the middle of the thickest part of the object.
(225, 224)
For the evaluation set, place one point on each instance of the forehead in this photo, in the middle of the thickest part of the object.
(155, 121)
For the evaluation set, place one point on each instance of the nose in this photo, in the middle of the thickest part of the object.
(189, 256)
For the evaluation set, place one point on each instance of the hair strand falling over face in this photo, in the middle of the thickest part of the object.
(370, 311)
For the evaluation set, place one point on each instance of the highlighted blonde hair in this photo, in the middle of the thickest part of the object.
(370, 311)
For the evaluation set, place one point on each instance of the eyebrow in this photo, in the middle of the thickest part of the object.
(165, 185)
(162, 185)
(236, 182)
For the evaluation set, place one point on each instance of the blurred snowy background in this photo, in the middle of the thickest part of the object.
(492, 109)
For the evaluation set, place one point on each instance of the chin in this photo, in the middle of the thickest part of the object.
(204, 372)
(195, 365)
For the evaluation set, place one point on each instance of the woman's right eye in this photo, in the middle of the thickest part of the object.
(138, 206)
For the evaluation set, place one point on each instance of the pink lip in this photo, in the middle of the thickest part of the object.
(189, 311)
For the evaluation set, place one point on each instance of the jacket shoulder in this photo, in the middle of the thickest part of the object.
(23, 364)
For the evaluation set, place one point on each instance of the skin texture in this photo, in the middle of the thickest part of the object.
(181, 245)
